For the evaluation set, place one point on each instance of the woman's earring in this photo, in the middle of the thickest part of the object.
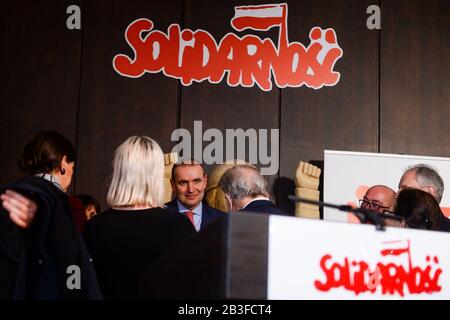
(63, 171)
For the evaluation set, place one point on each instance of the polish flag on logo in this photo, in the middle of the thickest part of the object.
(260, 18)
(395, 248)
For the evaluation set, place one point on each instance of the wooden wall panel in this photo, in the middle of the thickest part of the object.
(40, 64)
(115, 107)
(415, 74)
(344, 117)
(219, 105)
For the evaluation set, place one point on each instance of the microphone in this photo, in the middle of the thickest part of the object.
(362, 214)
(391, 215)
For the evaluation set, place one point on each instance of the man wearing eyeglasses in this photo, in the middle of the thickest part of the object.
(378, 198)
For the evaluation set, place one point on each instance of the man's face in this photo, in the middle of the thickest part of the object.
(90, 211)
(189, 185)
(378, 199)
(409, 181)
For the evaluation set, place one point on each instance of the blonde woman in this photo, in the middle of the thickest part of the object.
(137, 229)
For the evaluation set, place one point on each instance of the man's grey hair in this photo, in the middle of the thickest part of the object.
(425, 176)
(242, 181)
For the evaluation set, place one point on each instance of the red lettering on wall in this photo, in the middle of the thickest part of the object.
(196, 56)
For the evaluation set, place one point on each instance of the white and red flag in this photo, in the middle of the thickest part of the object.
(261, 17)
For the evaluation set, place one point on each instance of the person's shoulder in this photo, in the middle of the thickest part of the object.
(35, 185)
(172, 204)
(212, 211)
(169, 214)
(265, 206)
(444, 223)
(173, 220)
(101, 216)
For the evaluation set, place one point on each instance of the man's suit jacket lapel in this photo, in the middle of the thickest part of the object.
(173, 205)
(204, 216)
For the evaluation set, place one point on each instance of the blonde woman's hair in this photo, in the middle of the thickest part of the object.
(138, 174)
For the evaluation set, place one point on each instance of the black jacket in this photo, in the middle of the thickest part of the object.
(34, 262)
(124, 242)
(264, 206)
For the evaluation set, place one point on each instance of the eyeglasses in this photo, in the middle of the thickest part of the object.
(372, 206)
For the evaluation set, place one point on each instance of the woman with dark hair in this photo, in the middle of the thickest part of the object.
(50, 156)
(47, 155)
(419, 209)
(41, 260)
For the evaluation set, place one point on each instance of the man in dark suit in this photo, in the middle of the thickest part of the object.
(189, 183)
(246, 190)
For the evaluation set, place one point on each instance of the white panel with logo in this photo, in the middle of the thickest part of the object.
(313, 259)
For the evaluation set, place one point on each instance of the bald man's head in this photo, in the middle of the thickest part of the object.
(379, 198)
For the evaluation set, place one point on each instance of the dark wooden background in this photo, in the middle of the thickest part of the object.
(393, 96)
